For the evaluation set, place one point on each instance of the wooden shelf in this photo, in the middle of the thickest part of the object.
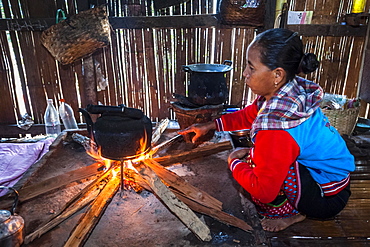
(328, 30)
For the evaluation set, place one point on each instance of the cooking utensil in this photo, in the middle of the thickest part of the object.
(207, 85)
(241, 138)
(11, 225)
(120, 132)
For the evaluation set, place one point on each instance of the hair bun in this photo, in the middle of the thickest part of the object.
(308, 64)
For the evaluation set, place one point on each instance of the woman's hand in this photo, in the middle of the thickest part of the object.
(238, 153)
(200, 129)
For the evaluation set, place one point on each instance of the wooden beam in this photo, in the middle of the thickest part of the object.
(39, 24)
(364, 88)
(252, 215)
(175, 21)
(186, 21)
(131, 22)
(167, 143)
(270, 10)
(328, 30)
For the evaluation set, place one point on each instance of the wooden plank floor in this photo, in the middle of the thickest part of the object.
(351, 227)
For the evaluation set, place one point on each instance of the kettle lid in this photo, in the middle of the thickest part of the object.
(4, 215)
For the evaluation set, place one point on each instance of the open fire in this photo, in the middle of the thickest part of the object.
(143, 171)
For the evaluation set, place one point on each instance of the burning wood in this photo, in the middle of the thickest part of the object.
(193, 154)
(89, 145)
(95, 211)
(79, 201)
(180, 209)
(159, 130)
(186, 189)
(199, 207)
(165, 144)
(179, 196)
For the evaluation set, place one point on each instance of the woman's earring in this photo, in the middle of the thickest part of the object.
(276, 84)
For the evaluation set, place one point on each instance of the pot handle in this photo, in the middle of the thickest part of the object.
(122, 109)
(15, 203)
(227, 62)
(186, 68)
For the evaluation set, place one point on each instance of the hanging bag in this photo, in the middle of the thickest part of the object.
(246, 13)
(78, 36)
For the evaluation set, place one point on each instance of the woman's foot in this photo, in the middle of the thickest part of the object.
(276, 225)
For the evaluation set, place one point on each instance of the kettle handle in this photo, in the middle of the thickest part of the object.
(89, 122)
(186, 68)
(227, 62)
(122, 109)
(15, 203)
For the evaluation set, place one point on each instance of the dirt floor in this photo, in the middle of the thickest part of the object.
(137, 219)
(141, 219)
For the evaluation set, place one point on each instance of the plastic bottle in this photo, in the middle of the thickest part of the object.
(51, 118)
(67, 116)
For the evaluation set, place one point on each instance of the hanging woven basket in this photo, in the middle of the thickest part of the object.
(246, 13)
(78, 36)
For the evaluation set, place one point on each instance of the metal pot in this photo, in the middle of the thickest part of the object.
(207, 85)
(11, 225)
(120, 132)
(241, 138)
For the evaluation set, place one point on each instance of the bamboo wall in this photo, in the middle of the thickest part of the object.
(143, 67)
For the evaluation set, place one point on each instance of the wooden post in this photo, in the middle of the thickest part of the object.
(91, 94)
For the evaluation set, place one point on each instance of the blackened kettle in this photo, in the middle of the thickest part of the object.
(120, 132)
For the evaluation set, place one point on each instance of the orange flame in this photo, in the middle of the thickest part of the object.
(95, 153)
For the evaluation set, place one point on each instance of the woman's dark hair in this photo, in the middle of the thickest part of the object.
(283, 48)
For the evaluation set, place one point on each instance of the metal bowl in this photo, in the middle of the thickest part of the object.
(243, 132)
(241, 138)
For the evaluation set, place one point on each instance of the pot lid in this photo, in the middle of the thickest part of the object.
(203, 67)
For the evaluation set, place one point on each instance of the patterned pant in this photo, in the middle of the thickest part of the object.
(284, 206)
